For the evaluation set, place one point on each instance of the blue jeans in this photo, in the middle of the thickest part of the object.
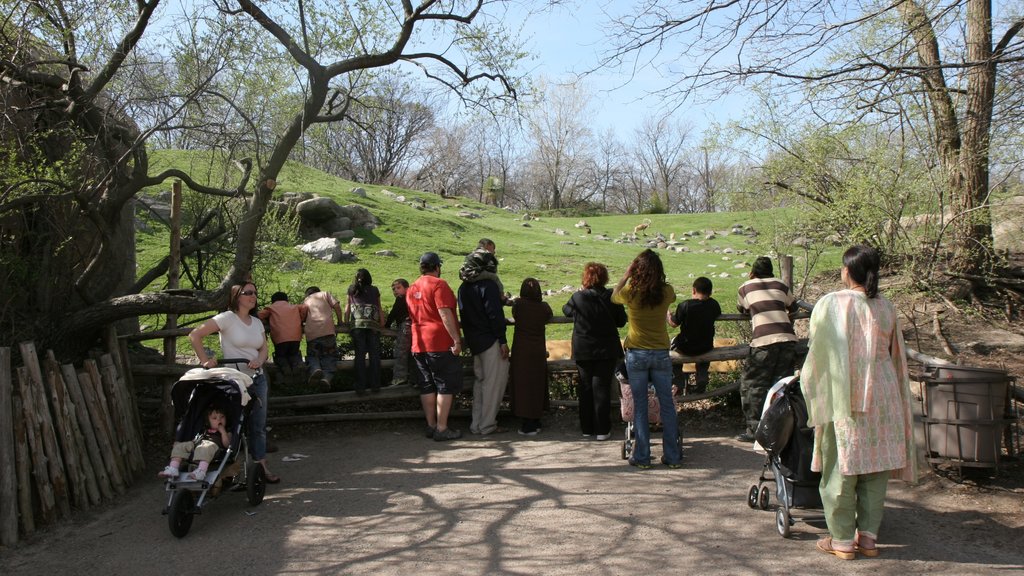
(654, 367)
(258, 417)
(322, 354)
(367, 342)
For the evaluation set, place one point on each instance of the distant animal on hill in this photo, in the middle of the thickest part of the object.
(642, 227)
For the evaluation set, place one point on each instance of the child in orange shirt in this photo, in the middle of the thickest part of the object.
(285, 331)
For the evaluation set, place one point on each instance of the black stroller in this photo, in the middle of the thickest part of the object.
(192, 396)
(789, 444)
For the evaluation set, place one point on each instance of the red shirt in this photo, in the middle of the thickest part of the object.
(426, 297)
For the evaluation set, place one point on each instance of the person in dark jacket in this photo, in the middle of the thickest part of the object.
(595, 347)
(483, 329)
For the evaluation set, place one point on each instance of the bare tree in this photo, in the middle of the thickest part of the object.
(560, 138)
(944, 50)
(68, 70)
(660, 151)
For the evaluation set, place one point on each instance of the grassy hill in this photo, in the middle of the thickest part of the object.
(550, 249)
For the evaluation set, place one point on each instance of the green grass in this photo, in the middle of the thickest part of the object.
(523, 251)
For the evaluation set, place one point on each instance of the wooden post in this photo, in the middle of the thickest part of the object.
(54, 461)
(47, 502)
(173, 273)
(65, 436)
(8, 471)
(63, 389)
(88, 431)
(101, 424)
(786, 271)
(23, 468)
(120, 413)
(118, 350)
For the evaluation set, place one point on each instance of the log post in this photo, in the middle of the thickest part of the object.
(786, 271)
(66, 439)
(118, 350)
(47, 502)
(63, 388)
(8, 470)
(120, 406)
(54, 461)
(101, 423)
(88, 431)
(23, 469)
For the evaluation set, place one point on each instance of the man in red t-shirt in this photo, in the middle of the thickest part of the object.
(435, 345)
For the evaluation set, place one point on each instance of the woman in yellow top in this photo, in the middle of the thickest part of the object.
(647, 296)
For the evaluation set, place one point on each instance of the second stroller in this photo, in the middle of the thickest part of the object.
(627, 405)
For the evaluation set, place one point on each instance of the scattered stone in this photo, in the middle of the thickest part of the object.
(292, 266)
(710, 235)
(399, 198)
(355, 242)
(387, 253)
(728, 251)
(581, 224)
(526, 225)
(467, 214)
(560, 232)
(389, 193)
(723, 275)
(801, 242)
(359, 191)
(568, 243)
(344, 235)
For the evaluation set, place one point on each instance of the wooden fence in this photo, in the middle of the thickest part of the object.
(70, 438)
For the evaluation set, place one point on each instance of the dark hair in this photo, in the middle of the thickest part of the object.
(762, 267)
(862, 263)
(362, 282)
(648, 278)
(530, 290)
(312, 290)
(401, 281)
(278, 297)
(236, 295)
(595, 275)
(703, 286)
(485, 243)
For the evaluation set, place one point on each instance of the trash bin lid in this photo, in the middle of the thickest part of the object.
(946, 373)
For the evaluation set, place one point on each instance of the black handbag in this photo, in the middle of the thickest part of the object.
(776, 427)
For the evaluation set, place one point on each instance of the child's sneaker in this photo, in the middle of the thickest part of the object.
(196, 475)
(168, 472)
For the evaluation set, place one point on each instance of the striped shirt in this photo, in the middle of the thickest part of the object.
(768, 301)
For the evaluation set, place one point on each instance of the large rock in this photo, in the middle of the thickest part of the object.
(318, 210)
(326, 249)
(359, 216)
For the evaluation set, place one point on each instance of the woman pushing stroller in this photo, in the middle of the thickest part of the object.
(242, 336)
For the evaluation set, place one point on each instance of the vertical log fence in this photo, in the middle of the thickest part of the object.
(70, 438)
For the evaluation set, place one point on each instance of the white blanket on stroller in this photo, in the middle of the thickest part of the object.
(239, 378)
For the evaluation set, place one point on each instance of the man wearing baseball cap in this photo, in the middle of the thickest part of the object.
(435, 345)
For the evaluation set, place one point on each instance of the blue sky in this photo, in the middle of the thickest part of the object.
(569, 41)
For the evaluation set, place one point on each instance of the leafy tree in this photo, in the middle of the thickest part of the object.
(83, 101)
(855, 61)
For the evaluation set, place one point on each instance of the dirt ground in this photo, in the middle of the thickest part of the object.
(382, 499)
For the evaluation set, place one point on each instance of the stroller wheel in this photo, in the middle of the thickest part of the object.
(179, 517)
(764, 499)
(752, 497)
(625, 452)
(256, 483)
(783, 522)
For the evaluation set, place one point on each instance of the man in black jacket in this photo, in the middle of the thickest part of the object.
(483, 328)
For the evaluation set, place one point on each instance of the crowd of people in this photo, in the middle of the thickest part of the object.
(854, 377)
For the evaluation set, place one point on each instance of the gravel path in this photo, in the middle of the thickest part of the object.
(384, 500)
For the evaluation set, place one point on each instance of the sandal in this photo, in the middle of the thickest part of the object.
(825, 545)
(868, 552)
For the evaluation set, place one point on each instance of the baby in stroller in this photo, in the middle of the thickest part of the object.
(203, 448)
